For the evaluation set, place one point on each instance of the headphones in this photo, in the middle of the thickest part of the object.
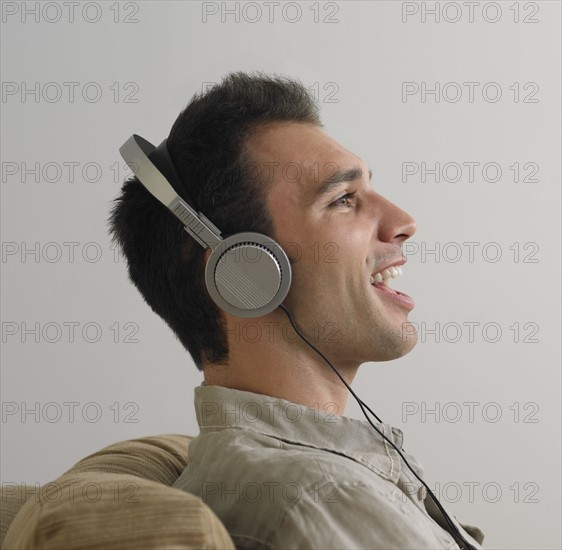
(247, 274)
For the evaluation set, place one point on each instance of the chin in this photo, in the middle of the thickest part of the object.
(408, 340)
(398, 345)
(411, 344)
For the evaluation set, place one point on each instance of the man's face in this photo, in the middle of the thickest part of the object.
(336, 244)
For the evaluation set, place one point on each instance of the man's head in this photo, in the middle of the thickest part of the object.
(252, 154)
(207, 144)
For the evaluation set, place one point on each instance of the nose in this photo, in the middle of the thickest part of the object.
(395, 226)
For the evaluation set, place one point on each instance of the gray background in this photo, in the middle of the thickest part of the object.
(495, 462)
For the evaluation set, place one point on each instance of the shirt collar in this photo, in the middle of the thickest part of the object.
(218, 407)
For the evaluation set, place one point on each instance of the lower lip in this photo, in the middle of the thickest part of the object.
(400, 298)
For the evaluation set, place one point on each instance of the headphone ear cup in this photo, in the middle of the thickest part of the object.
(248, 275)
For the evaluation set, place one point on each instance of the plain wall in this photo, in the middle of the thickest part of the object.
(479, 396)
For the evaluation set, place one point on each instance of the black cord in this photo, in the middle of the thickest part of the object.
(456, 533)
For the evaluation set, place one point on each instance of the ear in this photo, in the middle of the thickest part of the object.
(207, 254)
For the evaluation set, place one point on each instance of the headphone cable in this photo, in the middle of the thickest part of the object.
(455, 532)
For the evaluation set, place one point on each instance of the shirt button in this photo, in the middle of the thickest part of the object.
(422, 493)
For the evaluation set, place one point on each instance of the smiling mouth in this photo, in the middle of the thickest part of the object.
(379, 282)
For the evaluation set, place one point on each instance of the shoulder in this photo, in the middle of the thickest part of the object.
(256, 454)
(278, 494)
(242, 466)
(249, 454)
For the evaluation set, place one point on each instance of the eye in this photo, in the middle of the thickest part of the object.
(345, 197)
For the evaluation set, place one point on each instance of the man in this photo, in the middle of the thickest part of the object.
(276, 459)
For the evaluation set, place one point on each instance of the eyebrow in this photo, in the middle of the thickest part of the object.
(337, 178)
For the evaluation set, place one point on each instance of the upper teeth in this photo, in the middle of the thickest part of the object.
(390, 273)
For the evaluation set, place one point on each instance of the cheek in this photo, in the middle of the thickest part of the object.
(319, 263)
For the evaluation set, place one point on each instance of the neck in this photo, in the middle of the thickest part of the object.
(286, 368)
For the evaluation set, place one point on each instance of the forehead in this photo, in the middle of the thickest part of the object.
(300, 154)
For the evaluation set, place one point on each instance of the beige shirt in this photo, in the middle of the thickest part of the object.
(282, 475)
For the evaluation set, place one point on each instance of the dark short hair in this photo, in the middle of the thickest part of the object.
(207, 144)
